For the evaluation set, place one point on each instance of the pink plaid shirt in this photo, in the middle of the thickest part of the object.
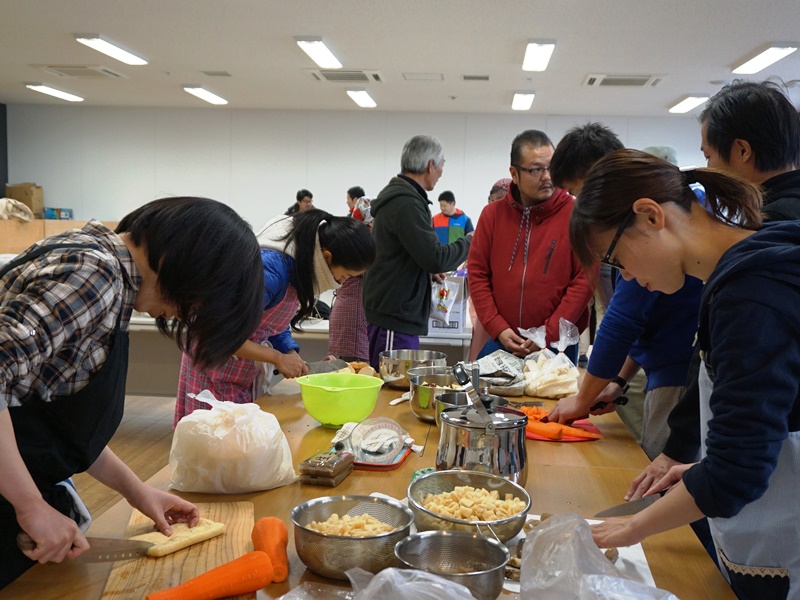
(348, 325)
(233, 381)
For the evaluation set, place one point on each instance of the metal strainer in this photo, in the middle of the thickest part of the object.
(466, 558)
(331, 555)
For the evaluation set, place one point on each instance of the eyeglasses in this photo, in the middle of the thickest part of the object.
(613, 262)
(533, 171)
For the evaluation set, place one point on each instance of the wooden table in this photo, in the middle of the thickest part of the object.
(580, 477)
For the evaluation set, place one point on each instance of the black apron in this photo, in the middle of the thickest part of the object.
(62, 437)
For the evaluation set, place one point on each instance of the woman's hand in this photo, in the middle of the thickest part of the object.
(655, 471)
(515, 344)
(56, 536)
(164, 508)
(673, 476)
(290, 365)
(567, 410)
(614, 533)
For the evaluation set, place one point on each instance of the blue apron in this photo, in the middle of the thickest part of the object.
(759, 548)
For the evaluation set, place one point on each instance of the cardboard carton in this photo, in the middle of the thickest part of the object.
(29, 194)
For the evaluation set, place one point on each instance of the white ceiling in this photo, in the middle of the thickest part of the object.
(695, 44)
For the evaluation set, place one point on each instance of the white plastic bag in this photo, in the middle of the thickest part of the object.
(560, 561)
(405, 584)
(230, 449)
(550, 375)
(443, 297)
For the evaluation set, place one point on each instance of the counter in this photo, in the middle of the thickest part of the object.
(578, 477)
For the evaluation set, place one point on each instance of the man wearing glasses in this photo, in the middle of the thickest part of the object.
(522, 272)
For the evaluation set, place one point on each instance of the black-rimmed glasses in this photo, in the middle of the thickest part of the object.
(533, 171)
(613, 262)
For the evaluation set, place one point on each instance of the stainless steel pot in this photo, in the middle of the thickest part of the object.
(427, 383)
(394, 365)
(465, 442)
(454, 399)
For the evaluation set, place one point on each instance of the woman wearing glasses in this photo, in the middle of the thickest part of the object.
(638, 212)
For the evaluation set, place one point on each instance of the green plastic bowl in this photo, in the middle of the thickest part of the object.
(334, 399)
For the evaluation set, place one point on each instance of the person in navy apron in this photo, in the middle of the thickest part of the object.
(638, 213)
(65, 306)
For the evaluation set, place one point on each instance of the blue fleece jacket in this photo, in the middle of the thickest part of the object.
(750, 334)
(656, 330)
(278, 270)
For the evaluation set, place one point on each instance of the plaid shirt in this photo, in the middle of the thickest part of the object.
(58, 313)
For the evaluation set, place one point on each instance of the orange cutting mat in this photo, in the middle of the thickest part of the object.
(134, 579)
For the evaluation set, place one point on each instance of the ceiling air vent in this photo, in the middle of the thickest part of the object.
(343, 76)
(423, 76)
(81, 71)
(475, 77)
(606, 80)
(216, 73)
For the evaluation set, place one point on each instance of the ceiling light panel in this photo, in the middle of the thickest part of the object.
(51, 91)
(688, 104)
(110, 48)
(318, 52)
(204, 94)
(766, 58)
(522, 101)
(362, 98)
(537, 54)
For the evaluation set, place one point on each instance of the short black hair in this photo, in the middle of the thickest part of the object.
(529, 137)
(356, 192)
(304, 194)
(579, 149)
(208, 263)
(760, 113)
(447, 196)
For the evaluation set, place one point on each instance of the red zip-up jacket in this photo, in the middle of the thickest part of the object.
(522, 271)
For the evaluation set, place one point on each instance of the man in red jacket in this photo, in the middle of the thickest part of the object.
(522, 272)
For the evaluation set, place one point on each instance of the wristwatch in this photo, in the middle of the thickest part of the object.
(621, 383)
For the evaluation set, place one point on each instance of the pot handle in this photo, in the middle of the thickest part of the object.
(489, 527)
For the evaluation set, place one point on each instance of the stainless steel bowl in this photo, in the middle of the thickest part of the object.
(446, 481)
(454, 399)
(331, 555)
(466, 558)
(394, 365)
(426, 384)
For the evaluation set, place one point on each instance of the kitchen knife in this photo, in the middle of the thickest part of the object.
(628, 508)
(101, 549)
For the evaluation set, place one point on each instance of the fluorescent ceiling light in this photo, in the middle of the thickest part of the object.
(687, 104)
(362, 98)
(319, 52)
(204, 94)
(110, 48)
(522, 101)
(760, 62)
(46, 89)
(538, 54)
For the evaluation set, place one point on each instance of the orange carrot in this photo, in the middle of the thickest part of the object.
(582, 433)
(243, 575)
(535, 413)
(551, 431)
(270, 535)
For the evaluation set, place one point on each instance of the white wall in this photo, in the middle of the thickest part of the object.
(104, 162)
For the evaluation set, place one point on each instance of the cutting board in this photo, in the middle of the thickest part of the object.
(134, 579)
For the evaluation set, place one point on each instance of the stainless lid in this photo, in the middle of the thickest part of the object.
(468, 418)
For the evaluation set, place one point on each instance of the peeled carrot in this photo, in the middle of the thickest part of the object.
(270, 535)
(534, 412)
(582, 433)
(551, 431)
(242, 575)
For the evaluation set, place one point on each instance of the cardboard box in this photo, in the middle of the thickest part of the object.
(58, 214)
(457, 314)
(30, 194)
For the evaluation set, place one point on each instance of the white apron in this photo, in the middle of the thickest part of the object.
(760, 546)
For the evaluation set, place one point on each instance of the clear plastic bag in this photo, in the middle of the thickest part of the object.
(230, 449)
(311, 590)
(538, 335)
(405, 584)
(443, 297)
(560, 561)
(550, 375)
(568, 335)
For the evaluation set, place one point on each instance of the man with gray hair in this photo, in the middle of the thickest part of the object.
(397, 288)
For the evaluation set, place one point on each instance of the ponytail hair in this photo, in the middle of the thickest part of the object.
(349, 241)
(616, 181)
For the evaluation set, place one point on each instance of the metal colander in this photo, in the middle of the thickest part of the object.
(447, 481)
(466, 558)
(331, 555)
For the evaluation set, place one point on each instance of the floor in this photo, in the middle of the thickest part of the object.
(142, 442)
